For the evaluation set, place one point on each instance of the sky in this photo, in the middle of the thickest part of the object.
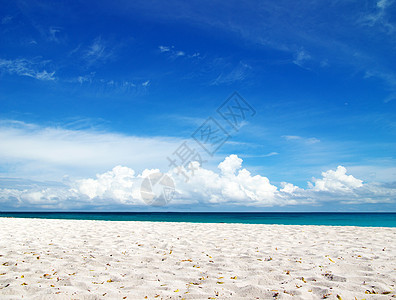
(253, 106)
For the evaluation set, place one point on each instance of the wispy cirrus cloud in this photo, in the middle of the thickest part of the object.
(29, 149)
(380, 17)
(28, 67)
(175, 53)
(236, 73)
(53, 34)
(311, 140)
(301, 57)
(6, 19)
(98, 51)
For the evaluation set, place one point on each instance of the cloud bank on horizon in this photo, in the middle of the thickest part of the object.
(41, 157)
(230, 185)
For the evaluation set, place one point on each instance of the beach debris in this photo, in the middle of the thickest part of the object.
(339, 297)
(220, 282)
(331, 260)
(303, 279)
(234, 277)
(110, 280)
(24, 283)
(177, 290)
(47, 276)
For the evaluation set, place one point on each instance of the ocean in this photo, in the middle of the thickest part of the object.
(287, 218)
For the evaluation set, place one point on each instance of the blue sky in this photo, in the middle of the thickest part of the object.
(88, 86)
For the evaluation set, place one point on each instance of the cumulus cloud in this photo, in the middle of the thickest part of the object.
(48, 153)
(230, 185)
(336, 181)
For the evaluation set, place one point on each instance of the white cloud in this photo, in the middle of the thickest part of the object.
(43, 153)
(98, 51)
(270, 154)
(237, 73)
(381, 16)
(337, 181)
(6, 19)
(164, 48)
(301, 57)
(232, 185)
(29, 68)
(119, 183)
(50, 153)
(173, 53)
(53, 31)
(300, 138)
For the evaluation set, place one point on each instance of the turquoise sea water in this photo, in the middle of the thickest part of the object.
(342, 219)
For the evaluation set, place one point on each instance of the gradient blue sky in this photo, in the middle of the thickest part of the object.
(320, 75)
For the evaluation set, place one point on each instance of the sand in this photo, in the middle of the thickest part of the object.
(69, 259)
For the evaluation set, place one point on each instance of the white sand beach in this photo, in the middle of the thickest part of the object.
(69, 259)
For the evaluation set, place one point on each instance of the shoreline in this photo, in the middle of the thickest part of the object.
(192, 222)
(96, 259)
(380, 220)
